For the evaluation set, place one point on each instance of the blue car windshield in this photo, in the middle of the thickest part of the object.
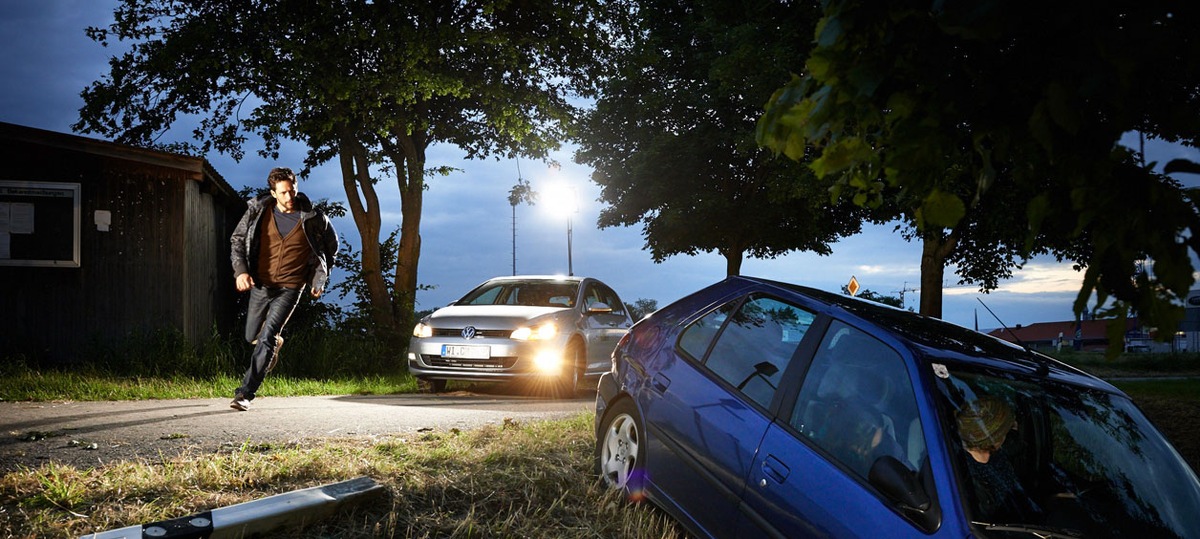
(527, 293)
(1033, 454)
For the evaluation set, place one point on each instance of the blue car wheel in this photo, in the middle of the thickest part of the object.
(620, 453)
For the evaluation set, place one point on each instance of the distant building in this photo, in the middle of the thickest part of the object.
(101, 240)
(1045, 336)
(1189, 329)
(1093, 334)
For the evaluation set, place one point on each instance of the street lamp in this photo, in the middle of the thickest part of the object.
(564, 199)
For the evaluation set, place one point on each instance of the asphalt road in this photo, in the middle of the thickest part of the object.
(96, 433)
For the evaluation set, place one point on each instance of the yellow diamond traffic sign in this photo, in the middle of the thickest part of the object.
(853, 286)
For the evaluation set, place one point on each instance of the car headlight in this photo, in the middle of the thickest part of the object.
(422, 331)
(539, 333)
(548, 361)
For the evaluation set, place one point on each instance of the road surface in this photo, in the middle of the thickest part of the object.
(90, 434)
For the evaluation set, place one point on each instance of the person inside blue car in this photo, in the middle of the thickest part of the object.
(984, 425)
(858, 435)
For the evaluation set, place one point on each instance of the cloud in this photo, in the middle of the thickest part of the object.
(1034, 279)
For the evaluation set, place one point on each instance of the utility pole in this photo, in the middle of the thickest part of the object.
(904, 289)
(521, 192)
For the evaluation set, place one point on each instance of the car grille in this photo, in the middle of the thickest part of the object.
(456, 363)
(500, 333)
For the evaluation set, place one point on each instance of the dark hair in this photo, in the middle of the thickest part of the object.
(280, 174)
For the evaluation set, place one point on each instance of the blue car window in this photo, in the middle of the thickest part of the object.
(1043, 454)
(695, 339)
(756, 345)
(857, 402)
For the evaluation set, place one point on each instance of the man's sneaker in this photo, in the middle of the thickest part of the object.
(240, 403)
(275, 355)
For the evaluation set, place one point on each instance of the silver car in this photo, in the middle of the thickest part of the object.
(551, 330)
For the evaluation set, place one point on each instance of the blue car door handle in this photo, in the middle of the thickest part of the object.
(775, 469)
(661, 382)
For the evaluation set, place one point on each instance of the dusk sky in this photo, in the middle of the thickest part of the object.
(467, 223)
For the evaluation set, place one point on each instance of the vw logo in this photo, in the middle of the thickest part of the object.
(468, 332)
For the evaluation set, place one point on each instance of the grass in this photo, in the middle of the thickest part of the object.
(55, 385)
(515, 480)
(1187, 390)
(314, 362)
(1133, 365)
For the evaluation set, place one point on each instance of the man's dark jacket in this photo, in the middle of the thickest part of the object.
(317, 229)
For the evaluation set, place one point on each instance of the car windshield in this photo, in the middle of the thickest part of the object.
(1037, 455)
(529, 293)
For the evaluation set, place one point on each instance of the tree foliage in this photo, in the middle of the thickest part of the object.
(371, 84)
(672, 134)
(1008, 114)
(641, 308)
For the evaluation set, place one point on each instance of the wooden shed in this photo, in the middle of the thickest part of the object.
(99, 241)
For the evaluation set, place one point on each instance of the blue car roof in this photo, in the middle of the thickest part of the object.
(935, 339)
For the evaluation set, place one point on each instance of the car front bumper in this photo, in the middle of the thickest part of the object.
(507, 359)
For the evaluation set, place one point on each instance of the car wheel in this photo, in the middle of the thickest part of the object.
(620, 451)
(430, 385)
(568, 381)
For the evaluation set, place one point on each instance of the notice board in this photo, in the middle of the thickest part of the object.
(39, 224)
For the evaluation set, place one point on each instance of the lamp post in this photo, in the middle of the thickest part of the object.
(562, 198)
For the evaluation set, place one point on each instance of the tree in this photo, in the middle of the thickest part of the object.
(877, 297)
(1007, 115)
(370, 84)
(641, 308)
(672, 135)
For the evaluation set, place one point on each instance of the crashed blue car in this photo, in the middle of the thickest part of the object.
(755, 408)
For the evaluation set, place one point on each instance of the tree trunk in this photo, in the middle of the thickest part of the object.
(365, 210)
(410, 173)
(733, 261)
(935, 249)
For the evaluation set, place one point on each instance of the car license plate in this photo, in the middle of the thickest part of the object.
(466, 352)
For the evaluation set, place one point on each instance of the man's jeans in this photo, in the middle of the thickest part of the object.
(266, 315)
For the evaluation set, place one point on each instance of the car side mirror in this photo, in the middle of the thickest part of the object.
(599, 308)
(899, 484)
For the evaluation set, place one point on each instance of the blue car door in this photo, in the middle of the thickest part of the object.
(711, 406)
(855, 406)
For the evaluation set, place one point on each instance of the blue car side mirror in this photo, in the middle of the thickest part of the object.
(902, 486)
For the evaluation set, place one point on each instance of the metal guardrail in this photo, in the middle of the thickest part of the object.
(254, 517)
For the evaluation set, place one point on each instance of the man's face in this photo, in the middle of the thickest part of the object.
(285, 196)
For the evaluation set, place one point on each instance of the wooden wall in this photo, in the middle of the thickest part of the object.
(163, 263)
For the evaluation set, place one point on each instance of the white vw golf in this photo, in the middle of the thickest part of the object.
(550, 329)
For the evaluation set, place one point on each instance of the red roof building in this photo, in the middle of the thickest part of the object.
(1093, 334)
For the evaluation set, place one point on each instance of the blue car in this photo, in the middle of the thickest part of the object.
(761, 409)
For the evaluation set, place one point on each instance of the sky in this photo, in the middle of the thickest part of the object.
(467, 225)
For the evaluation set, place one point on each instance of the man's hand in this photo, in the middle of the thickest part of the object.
(244, 282)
